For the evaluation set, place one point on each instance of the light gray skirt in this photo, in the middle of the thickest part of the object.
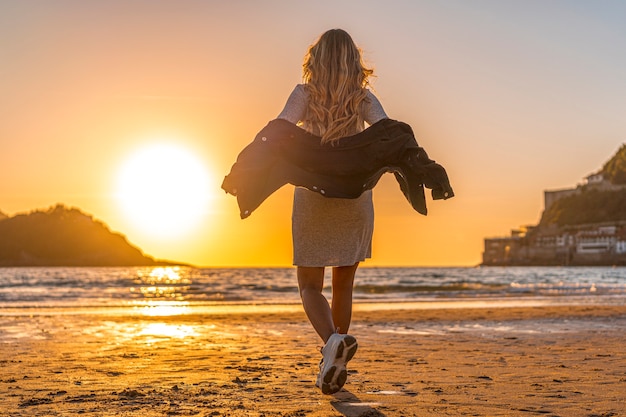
(331, 231)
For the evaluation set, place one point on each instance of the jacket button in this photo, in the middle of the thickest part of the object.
(322, 191)
(315, 187)
(263, 138)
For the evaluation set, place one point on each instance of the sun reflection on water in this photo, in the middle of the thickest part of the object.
(168, 274)
(161, 283)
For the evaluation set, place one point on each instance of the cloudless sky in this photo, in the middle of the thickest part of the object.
(512, 97)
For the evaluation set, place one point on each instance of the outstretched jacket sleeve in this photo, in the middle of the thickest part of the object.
(282, 153)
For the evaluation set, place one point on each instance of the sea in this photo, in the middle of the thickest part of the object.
(62, 288)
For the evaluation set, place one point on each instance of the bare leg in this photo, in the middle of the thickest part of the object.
(343, 281)
(311, 283)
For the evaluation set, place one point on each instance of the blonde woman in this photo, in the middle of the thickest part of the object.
(333, 102)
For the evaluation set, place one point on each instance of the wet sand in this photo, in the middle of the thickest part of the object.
(554, 360)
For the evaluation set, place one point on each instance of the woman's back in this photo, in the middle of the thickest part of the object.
(332, 103)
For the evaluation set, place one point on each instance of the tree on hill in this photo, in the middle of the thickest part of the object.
(65, 237)
(614, 170)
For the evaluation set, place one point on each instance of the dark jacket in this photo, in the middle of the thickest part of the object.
(284, 153)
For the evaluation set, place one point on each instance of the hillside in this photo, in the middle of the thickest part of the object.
(614, 170)
(63, 236)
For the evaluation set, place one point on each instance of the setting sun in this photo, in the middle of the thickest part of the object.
(164, 189)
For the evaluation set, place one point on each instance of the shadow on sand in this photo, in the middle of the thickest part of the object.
(350, 405)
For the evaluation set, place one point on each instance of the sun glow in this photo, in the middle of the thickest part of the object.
(164, 190)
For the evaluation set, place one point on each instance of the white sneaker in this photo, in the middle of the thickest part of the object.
(339, 349)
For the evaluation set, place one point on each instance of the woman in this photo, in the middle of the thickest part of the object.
(332, 103)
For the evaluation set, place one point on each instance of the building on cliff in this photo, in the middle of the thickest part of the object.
(596, 243)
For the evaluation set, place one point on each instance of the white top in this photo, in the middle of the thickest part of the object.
(296, 105)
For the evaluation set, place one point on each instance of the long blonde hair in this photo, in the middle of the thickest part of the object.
(335, 79)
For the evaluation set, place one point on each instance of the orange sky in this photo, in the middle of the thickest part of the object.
(511, 97)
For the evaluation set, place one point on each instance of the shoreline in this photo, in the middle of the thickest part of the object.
(559, 360)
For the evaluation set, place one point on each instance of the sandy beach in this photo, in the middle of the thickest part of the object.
(556, 360)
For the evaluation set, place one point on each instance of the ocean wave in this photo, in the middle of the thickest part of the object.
(125, 286)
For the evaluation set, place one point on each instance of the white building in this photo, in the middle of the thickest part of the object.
(600, 240)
